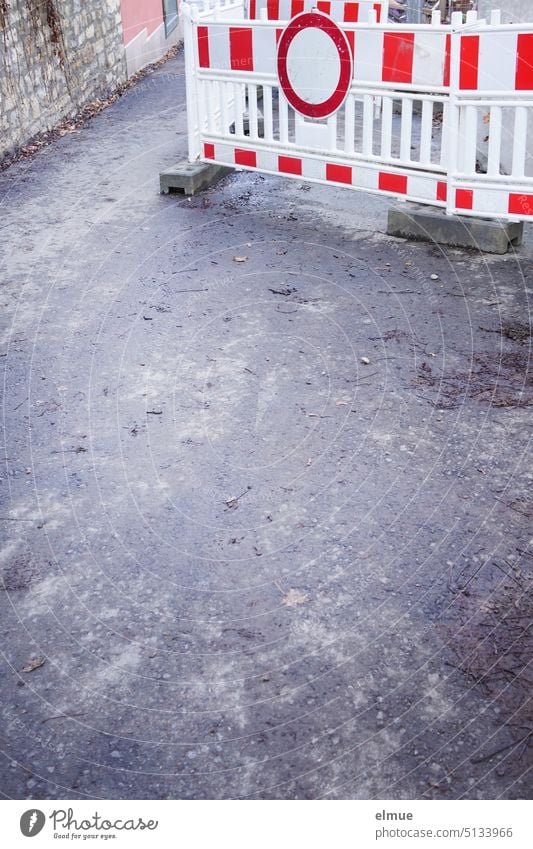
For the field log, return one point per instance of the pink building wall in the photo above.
(140, 14)
(145, 39)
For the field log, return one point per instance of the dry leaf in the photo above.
(341, 403)
(240, 258)
(365, 361)
(33, 664)
(294, 597)
(232, 503)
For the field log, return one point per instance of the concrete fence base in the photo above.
(191, 177)
(423, 223)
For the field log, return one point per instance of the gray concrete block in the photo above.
(424, 223)
(246, 125)
(191, 177)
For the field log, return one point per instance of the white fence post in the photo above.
(191, 82)
(454, 111)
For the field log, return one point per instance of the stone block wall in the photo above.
(55, 56)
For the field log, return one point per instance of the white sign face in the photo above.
(313, 65)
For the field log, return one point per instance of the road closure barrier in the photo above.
(432, 113)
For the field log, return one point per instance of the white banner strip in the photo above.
(268, 824)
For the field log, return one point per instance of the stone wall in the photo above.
(55, 56)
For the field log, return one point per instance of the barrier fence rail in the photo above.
(425, 112)
(351, 11)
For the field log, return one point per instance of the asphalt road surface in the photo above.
(262, 519)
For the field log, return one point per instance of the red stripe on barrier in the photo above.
(278, 34)
(464, 198)
(241, 49)
(245, 157)
(524, 62)
(351, 13)
(339, 173)
(447, 60)
(324, 7)
(273, 10)
(297, 6)
(469, 62)
(203, 47)
(392, 183)
(377, 7)
(398, 50)
(351, 41)
(520, 204)
(290, 165)
(209, 151)
(252, 10)
(442, 191)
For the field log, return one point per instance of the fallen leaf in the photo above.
(240, 258)
(365, 361)
(341, 403)
(294, 597)
(33, 664)
(233, 502)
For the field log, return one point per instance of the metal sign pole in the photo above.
(414, 11)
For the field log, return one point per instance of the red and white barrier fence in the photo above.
(349, 11)
(392, 109)
(419, 59)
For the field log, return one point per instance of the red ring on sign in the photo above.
(320, 21)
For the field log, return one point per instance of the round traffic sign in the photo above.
(315, 65)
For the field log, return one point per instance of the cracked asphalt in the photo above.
(239, 498)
